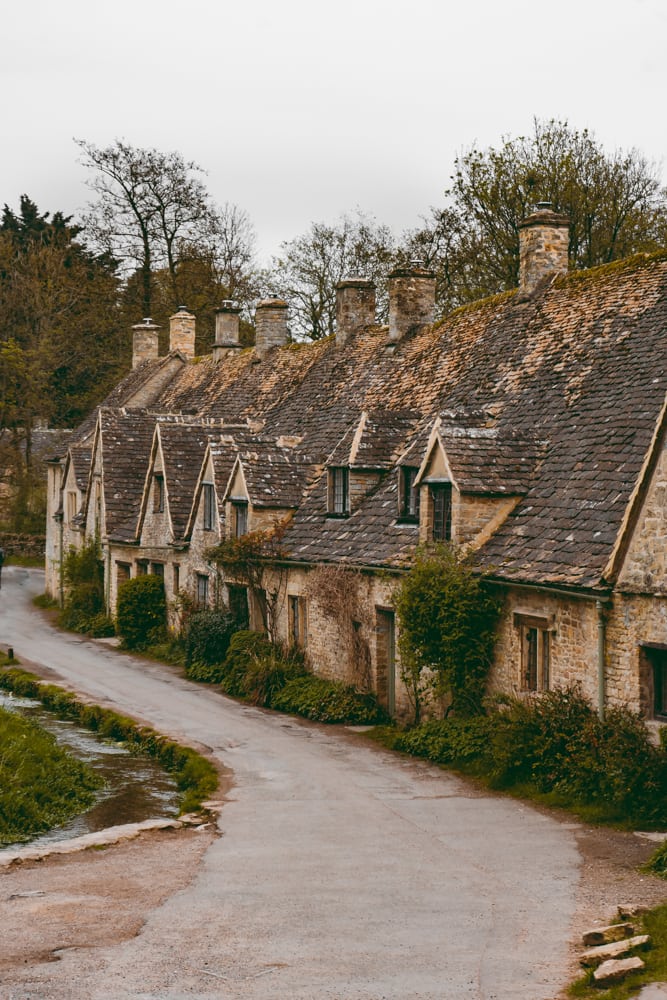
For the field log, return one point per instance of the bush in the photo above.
(206, 643)
(328, 701)
(448, 741)
(141, 611)
(84, 604)
(257, 669)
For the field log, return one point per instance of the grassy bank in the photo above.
(654, 958)
(41, 785)
(196, 777)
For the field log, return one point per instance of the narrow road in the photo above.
(341, 872)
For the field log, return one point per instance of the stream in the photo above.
(135, 787)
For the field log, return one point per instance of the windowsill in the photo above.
(407, 520)
(334, 516)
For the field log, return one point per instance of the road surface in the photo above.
(342, 871)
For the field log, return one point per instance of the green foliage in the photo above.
(328, 701)
(141, 611)
(206, 643)
(41, 785)
(447, 621)
(455, 740)
(195, 776)
(657, 863)
(257, 669)
(84, 609)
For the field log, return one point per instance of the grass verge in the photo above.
(195, 777)
(653, 923)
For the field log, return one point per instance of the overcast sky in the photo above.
(301, 110)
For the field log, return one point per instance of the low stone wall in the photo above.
(31, 546)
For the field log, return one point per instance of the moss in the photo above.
(590, 275)
(491, 301)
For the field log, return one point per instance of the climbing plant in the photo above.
(447, 617)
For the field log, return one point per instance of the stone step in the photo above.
(615, 970)
(605, 935)
(594, 956)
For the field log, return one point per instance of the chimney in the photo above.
(182, 332)
(543, 245)
(355, 307)
(226, 330)
(144, 342)
(411, 299)
(270, 325)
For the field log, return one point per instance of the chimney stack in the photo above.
(145, 342)
(355, 307)
(226, 330)
(411, 299)
(544, 240)
(270, 325)
(182, 332)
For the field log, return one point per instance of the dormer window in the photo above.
(440, 502)
(339, 491)
(158, 493)
(408, 494)
(208, 494)
(239, 518)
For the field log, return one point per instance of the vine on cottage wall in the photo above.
(337, 591)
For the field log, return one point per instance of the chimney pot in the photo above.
(270, 325)
(544, 238)
(411, 299)
(145, 342)
(355, 307)
(182, 332)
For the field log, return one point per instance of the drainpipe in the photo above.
(61, 568)
(601, 652)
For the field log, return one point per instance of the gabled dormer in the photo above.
(363, 457)
(154, 520)
(472, 477)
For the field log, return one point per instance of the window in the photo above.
(660, 686)
(409, 494)
(123, 573)
(240, 518)
(71, 506)
(339, 491)
(238, 605)
(202, 590)
(157, 569)
(209, 506)
(142, 567)
(297, 620)
(158, 494)
(535, 652)
(441, 511)
(176, 577)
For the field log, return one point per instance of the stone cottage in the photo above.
(529, 427)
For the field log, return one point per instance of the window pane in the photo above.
(441, 500)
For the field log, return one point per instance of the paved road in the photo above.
(342, 872)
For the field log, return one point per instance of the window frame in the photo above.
(208, 504)
(202, 582)
(535, 639)
(239, 518)
(441, 521)
(158, 493)
(338, 491)
(409, 494)
(297, 617)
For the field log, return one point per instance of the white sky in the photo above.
(300, 111)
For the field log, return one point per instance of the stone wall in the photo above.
(645, 566)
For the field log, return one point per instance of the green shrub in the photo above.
(657, 863)
(257, 669)
(206, 643)
(328, 701)
(448, 741)
(141, 611)
(84, 602)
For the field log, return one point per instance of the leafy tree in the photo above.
(141, 611)
(309, 268)
(154, 214)
(254, 560)
(615, 203)
(447, 625)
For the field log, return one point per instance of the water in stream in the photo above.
(135, 786)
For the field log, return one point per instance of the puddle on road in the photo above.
(135, 787)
